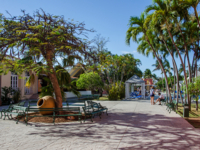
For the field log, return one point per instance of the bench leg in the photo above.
(1, 114)
(106, 112)
(100, 115)
(17, 119)
(26, 119)
(84, 118)
(4, 116)
(79, 118)
(91, 118)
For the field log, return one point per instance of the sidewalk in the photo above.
(130, 125)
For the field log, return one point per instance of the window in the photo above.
(14, 80)
(27, 90)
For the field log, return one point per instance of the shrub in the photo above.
(5, 95)
(16, 95)
(113, 93)
(116, 91)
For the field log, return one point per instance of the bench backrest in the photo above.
(21, 103)
(75, 101)
(15, 107)
(74, 109)
(32, 103)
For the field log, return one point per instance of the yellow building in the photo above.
(15, 81)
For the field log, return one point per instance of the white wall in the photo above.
(70, 94)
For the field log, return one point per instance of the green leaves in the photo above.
(91, 81)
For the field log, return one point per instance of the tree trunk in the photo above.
(196, 105)
(108, 77)
(193, 71)
(122, 73)
(53, 79)
(189, 70)
(160, 63)
(181, 97)
(197, 16)
(176, 70)
(181, 63)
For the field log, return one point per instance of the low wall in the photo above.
(70, 94)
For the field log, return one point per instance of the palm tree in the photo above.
(164, 13)
(193, 4)
(137, 27)
(147, 74)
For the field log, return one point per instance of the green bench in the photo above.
(76, 103)
(32, 103)
(89, 97)
(94, 109)
(10, 108)
(163, 101)
(55, 112)
(171, 106)
(15, 110)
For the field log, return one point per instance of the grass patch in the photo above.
(105, 98)
(194, 116)
(193, 113)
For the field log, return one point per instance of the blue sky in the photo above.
(108, 17)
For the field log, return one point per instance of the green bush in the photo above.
(113, 93)
(5, 95)
(122, 91)
(116, 92)
(16, 95)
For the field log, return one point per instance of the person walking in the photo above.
(152, 93)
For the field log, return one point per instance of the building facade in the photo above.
(18, 82)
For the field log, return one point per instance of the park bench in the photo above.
(89, 97)
(94, 109)
(76, 103)
(15, 110)
(163, 101)
(32, 103)
(171, 106)
(10, 108)
(55, 113)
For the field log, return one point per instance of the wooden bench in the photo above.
(15, 110)
(55, 112)
(94, 109)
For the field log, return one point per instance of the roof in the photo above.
(135, 79)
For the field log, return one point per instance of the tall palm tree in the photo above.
(137, 27)
(147, 74)
(164, 13)
(193, 4)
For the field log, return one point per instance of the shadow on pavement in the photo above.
(128, 131)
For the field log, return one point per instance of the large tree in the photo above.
(46, 37)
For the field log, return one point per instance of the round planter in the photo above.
(46, 102)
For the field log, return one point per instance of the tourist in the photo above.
(161, 97)
(152, 95)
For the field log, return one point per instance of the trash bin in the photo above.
(186, 110)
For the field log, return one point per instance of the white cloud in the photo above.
(126, 52)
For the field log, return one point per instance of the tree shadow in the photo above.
(127, 131)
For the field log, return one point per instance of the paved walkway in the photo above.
(130, 125)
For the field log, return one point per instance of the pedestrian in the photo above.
(152, 93)
(161, 97)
